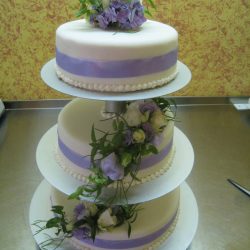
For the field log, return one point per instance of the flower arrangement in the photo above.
(88, 219)
(115, 155)
(118, 153)
(122, 14)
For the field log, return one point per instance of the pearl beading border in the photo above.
(107, 87)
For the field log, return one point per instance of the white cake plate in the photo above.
(49, 76)
(177, 173)
(180, 239)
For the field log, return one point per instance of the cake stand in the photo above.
(180, 239)
(182, 164)
(50, 78)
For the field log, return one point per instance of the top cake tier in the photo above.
(116, 61)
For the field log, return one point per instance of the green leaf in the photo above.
(121, 125)
(76, 194)
(152, 4)
(147, 12)
(126, 159)
(57, 209)
(114, 124)
(153, 149)
(79, 223)
(117, 139)
(53, 222)
(93, 137)
(129, 230)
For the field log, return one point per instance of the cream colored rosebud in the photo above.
(158, 121)
(139, 136)
(106, 221)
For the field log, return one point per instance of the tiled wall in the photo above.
(214, 42)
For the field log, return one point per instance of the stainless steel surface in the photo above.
(218, 132)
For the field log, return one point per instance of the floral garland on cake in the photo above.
(88, 220)
(118, 154)
(121, 14)
(114, 155)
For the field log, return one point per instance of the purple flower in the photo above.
(148, 106)
(127, 15)
(123, 14)
(158, 138)
(80, 211)
(149, 131)
(82, 233)
(102, 21)
(110, 14)
(112, 168)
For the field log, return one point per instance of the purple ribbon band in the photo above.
(125, 244)
(116, 69)
(84, 161)
(78, 159)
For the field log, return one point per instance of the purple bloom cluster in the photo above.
(80, 211)
(112, 168)
(124, 14)
(148, 106)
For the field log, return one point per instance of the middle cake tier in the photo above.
(143, 127)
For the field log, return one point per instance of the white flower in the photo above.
(105, 4)
(106, 220)
(158, 121)
(133, 116)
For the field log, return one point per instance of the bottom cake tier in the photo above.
(162, 223)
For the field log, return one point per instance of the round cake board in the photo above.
(49, 76)
(180, 239)
(181, 167)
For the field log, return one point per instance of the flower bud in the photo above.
(139, 136)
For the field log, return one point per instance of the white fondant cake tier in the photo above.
(116, 61)
(75, 123)
(155, 222)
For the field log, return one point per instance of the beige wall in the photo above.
(214, 42)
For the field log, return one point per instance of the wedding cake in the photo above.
(114, 49)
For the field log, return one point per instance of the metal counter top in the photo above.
(220, 136)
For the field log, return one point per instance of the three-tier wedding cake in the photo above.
(109, 156)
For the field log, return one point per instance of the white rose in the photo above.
(133, 116)
(105, 3)
(106, 220)
(158, 121)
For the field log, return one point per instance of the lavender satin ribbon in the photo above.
(78, 159)
(84, 161)
(125, 244)
(116, 69)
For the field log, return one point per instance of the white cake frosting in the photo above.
(75, 122)
(155, 222)
(116, 61)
